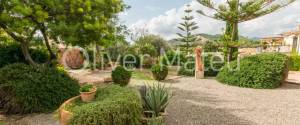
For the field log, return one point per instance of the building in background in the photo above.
(286, 42)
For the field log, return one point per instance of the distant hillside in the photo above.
(217, 37)
(209, 37)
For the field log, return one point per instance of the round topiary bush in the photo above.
(29, 89)
(12, 53)
(260, 71)
(159, 72)
(113, 105)
(121, 76)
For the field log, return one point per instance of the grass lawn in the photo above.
(2, 123)
(144, 74)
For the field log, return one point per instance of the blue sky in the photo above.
(161, 17)
(147, 9)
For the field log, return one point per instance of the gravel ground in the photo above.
(208, 102)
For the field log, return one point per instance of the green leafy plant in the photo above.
(157, 98)
(121, 76)
(159, 72)
(173, 58)
(188, 68)
(262, 71)
(114, 105)
(12, 53)
(29, 89)
(86, 88)
(156, 121)
(294, 64)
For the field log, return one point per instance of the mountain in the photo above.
(218, 36)
(210, 37)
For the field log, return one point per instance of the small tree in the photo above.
(234, 12)
(76, 22)
(187, 26)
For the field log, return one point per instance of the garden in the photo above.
(47, 46)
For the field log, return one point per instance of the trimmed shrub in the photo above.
(114, 105)
(294, 62)
(28, 89)
(12, 53)
(261, 71)
(172, 58)
(121, 76)
(159, 72)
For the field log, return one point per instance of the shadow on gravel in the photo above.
(195, 108)
(290, 85)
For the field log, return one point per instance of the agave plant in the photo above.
(156, 121)
(157, 98)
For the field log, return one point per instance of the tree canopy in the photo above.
(76, 22)
(234, 12)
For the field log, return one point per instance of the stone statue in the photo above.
(199, 67)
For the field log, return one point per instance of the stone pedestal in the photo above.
(199, 74)
(199, 66)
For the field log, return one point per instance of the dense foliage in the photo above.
(188, 69)
(156, 41)
(121, 76)
(28, 89)
(130, 60)
(173, 58)
(12, 53)
(212, 66)
(266, 70)
(159, 72)
(294, 62)
(113, 105)
(75, 22)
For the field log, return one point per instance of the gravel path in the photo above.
(208, 102)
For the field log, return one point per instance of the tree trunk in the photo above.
(52, 55)
(26, 54)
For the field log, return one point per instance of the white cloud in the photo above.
(166, 25)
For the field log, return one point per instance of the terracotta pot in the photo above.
(88, 96)
(66, 116)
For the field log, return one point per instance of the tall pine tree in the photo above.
(187, 37)
(233, 12)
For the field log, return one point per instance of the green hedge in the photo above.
(114, 105)
(12, 53)
(294, 62)
(28, 89)
(174, 59)
(266, 70)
